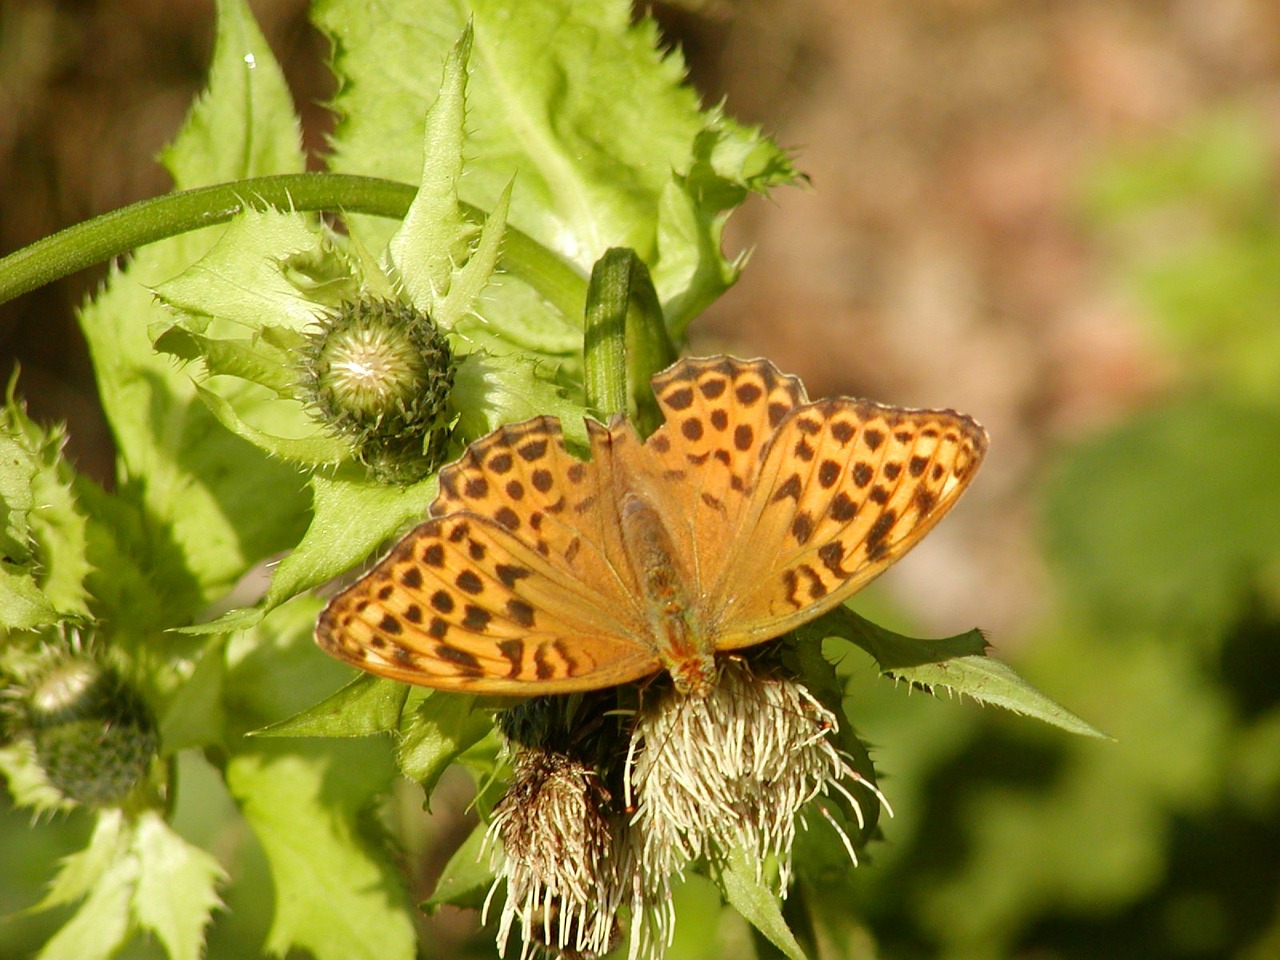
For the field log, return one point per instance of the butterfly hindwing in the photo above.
(846, 487)
(523, 477)
(704, 460)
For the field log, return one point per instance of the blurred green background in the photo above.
(1061, 217)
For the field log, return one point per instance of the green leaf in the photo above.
(59, 527)
(441, 727)
(309, 801)
(237, 358)
(319, 449)
(17, 467)
(728, 162)
(199, 489)
(430, 241)
(25, 780)
(101, 925)
(474, 276)
(243, 125)
(338, 895)
(991, 681)
(353, 516)
(957, 663)
(515, 318)
(175, 894)
(84, 870)
(366, 706)
(135, 873)
(892, 651)
(1182, 517)
(594, 142)
(43, 535)
(246, 276)
(22, 604)
(467, 877)
(248, 284)
(197, 714)
(752, 897)
(126, 554)
(275, 670)
(489, 391)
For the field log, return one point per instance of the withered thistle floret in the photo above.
(563, 857)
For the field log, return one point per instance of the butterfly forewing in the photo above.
(846, 487)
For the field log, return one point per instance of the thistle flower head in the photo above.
(566, 868)
(735, 769)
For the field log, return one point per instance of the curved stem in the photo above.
(116, 233)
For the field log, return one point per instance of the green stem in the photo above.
(625, 340)
(116, 233)
(604, 335)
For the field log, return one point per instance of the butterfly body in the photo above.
(674, 634)
(749, 512)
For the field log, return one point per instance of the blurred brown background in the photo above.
(937, 259)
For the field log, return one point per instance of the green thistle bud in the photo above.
(94, 736)
(380, 372)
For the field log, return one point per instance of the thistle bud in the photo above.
(94, 736)
(380, 372)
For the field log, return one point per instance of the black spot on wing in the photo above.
(466, 663)
(789, 489)
(475, 618)
(748, 393)
(513, 652)
(679, 399)
(520, 612)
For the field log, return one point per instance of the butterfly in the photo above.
(749, 512)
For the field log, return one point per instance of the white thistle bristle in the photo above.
(734, 770)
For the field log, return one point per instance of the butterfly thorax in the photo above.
(680, 642)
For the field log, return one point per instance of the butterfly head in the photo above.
(694, 675)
